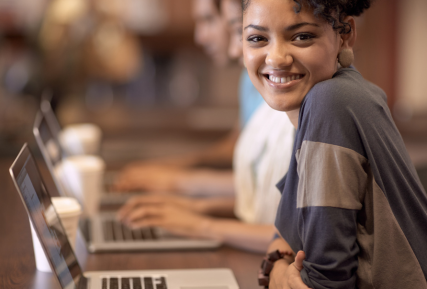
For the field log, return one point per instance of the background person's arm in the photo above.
(184, 174)
(190, 182)
(217, 155)
(218, 207)
(251, 237)
(177, 217)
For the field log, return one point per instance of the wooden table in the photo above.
(17, 266)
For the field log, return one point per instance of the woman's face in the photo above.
(211, 31)
(232, 12)
(287, 53)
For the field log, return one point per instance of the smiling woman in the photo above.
(351, 199)
(287, 56)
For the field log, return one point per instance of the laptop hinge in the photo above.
(85, 229)
(82, 283)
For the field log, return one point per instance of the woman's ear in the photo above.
(348, 39)
(346, 55)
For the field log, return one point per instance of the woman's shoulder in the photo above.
(346, 90)
(337, 109)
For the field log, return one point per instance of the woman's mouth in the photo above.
(283, 79)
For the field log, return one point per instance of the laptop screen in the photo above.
(50, 144)
(50, 116)
(50, 149)
(45, 220)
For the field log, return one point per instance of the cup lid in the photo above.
(86, 163)
(83, 131)
(66, 205)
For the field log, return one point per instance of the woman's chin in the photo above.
(279, 105)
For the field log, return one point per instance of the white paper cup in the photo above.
(69, 211)
(78, 139)
(41, 261)
(82, 177)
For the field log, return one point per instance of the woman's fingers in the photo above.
(298, 260)
(148, 200)
(146, 222)
(130, 205)
(144, 213)
(295, 279)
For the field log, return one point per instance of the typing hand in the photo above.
(284, 276)
(156, 200)
(172, 216)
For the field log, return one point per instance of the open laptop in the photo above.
(46, 135)
(63, 261)
(48, 121)
(102, 231)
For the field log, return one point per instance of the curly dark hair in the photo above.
(326, 8)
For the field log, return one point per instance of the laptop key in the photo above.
(114, 283)
(137, 234)
(147, 233)
(127, 233)
(162, 284)
(137, 283)
(148, 283)
(118, 233)
(108, 230)
(153, 233)
(104, 283)
(125, 283)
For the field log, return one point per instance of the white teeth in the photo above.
(283, 79)
(274, 79)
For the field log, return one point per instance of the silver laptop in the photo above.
(54, 150)
(63, 261)
(102, 231)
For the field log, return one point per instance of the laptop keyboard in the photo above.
(117, 231)
(134, 283)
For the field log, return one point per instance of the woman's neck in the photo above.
(293, 117)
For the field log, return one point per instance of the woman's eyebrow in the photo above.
(257, 27)
(289, 28)
(299, 25)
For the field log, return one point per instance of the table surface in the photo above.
(17, 266)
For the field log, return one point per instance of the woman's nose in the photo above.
(200, 34)
(235, 50)
(278, 56)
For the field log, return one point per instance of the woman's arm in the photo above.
(218, 207)
(186, 218)
(286, 272)
(251, 237)
(184, 181)
(179, 173)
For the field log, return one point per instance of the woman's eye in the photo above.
(304, 37)
(255, 39)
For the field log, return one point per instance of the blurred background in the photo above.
(131, 66)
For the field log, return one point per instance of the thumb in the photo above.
(298, 260)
